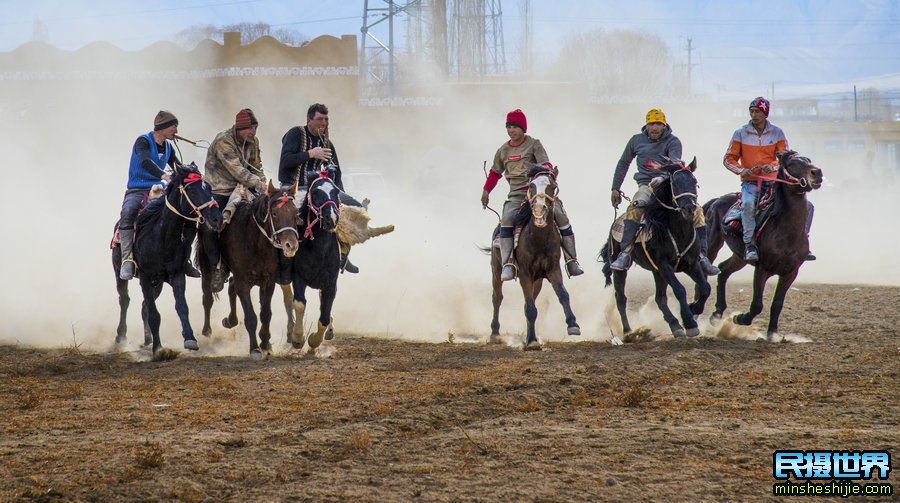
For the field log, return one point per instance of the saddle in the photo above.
(732, 223)
(618, 228)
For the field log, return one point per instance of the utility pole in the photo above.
(690, 64)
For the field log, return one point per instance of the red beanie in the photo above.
(517, 118)
(244, 119)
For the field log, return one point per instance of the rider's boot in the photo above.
(751, 253)
(623, 260)
(573, 268)
(509, 270)
(810, 210)
(346, 265)
(219, 276)
(126, 242)
(705, 265)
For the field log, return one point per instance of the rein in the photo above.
(274, 235)
(192, 178)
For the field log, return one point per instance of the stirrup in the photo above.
(573, 268)
(622, 262)
(514, 269)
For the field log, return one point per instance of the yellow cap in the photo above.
(656, 115)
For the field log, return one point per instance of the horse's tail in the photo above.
(709, 204)
(604, 256)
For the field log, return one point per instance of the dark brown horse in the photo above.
(673, 247)
(782, 241)
(251, 242)
(536, 254)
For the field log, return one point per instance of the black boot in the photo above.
(573, 268)
(623, 261)
(189, 269)
(705, 265)
(348, 266)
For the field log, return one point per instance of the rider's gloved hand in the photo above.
(484, 198)
(656, 181)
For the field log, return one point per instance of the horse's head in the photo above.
(282, 217)
(799, 172)
(191, 197)
(322, 203)
(541, 195)
(679, 191)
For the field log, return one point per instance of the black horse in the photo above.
(537, 256)
(672, 247)
(159, 250)
(258, 232)
(317, 261)
(782, 240)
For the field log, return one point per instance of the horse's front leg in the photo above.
(662, 302)
(124, 301)
(556, 281)
(619, 278)
(496, 298)
(702, 290)
(153, 318)
(181, 307)
(242, 289)
(207, 303)
(326, 300)
(297, 335)
(734, 264)
(231, 320)
(531, 340)
(287, 297)
(687, 316)
(265, 316)
(781, 290)
(760, 276)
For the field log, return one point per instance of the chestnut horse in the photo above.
(781, 239)
(537, 255)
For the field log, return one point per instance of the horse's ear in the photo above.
(271, 188)
(693, 164)
(293, 189)
(555, 172)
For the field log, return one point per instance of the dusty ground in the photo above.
(380, 420)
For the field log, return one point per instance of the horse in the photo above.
(316, 263)
(251, 242)
(781, 239)
(159, 251)
(672, 247)
(537, 255)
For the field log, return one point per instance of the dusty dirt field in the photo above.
(381, 420)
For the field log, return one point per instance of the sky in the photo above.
(737, 46)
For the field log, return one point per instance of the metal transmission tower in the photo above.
(462, 38)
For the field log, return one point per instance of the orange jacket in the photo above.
(748, 148)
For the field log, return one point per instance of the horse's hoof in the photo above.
(678, 332)
(574, 330)
(615, 341)
(191, 344)
(495, 339)
(206, 332)
(533, 346)
(741, 319)
(329, 334)
(120, 340)
(255, 354)
(147, 341)
(229, 323)
(315, 340)
(715, 319)
(693, 332)
(266, 346)
(297, 342)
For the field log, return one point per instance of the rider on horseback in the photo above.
(150, 155)
(752, 155)
(232, 160)
(651, 146)
(306, 150)
(514, 159)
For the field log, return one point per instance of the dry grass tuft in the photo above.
(361, 441)
(641, 334)
(236, 442)
(635, 396)
(29, 401)
(151, 455)
(165, 355)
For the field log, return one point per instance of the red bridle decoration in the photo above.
(313, 209)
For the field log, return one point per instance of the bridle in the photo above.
(676, 197)
(312, 209)
(551, 199)
(195, 209)
(273, 235)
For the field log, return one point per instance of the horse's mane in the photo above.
(154, 209)
(777, 205)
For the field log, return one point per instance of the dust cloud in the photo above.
(67, 161)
